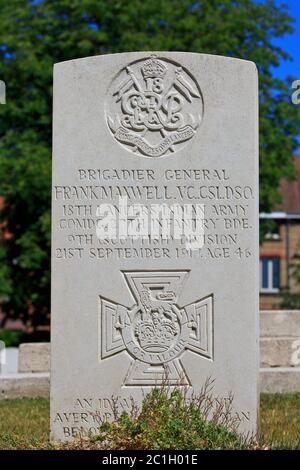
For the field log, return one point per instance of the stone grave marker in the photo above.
(154, 233)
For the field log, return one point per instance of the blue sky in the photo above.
(290, 43)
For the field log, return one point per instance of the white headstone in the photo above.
(155, 232)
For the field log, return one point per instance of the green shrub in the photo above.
(11, 337)
(168, 420)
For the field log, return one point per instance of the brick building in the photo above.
(280, 245)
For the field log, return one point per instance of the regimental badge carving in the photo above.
(156, 332)
(155, 106)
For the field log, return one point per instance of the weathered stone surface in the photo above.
(280, 380)
(34, 357)
(279, 352)
(155, 232)
(280, 323)
(25, 385)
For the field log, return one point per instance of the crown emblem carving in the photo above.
(156, 335)
(153, 68)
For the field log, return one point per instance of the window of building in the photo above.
(269, 273)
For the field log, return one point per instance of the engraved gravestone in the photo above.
(155, 233)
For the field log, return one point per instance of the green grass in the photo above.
(280, 420)
(24, 424)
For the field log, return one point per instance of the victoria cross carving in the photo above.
(154, 107)
(155, 331)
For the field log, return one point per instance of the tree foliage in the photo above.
(35, 34)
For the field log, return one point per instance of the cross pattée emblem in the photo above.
(155, 332)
